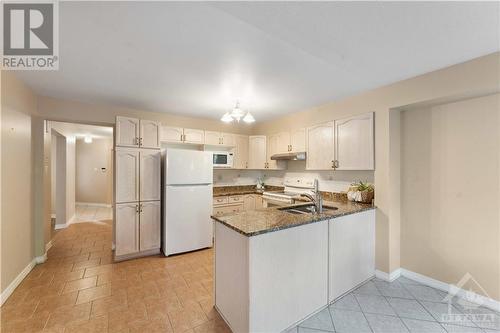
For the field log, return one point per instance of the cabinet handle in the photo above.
(222, 140)
(333, 164)
(336, 164)
(136, 141)
(246, 165)
(140, 208)
(137, 208)
(140, 141)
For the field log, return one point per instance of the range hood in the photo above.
(300, 156)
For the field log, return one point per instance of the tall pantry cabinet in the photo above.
(137, 208)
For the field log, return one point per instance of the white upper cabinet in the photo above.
(194, 136)
(257, 157)
(283, 142)
(219, 138)
(227, 139)
(213, 138)
(240, 152)
(274, 144)
(150, 134)
(320, 155)
(127, 132)
(150, 175)
(133, 132)
(354, 143)
(171, 134)
(149, 230)
(298, 140)
(127, 175)
(127, 229)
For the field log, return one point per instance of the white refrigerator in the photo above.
(188, 177)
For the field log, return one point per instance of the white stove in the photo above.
(294, 187)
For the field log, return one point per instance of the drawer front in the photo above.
(220, 201)
(227, 209)
(236, 199)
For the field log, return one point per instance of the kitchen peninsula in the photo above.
(275, 267)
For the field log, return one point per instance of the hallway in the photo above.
(79, 289)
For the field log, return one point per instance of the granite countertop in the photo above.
(261, 221)
(220, 191)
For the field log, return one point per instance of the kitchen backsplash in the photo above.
(329, 181)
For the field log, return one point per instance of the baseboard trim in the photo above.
(48, 246)
(60, 226)
(451, 289)
(388, 277)
(96, 204)
(41, 259)
(15, 283)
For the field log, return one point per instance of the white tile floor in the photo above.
(92, 213)
(400, 306)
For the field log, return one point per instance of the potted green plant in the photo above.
(361, 192)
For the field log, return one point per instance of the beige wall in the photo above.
(450, 174)
(92, 184)
(473, 78)
(17, 234)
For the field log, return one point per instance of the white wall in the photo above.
(93, 185)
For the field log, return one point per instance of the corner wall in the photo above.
(19, 104)
(450, 223)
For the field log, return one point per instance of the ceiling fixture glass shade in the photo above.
(87, 139)
(248, 118)
(237, 114)
(226, 118)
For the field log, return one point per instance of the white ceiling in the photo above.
(275, 58)
(80, 131)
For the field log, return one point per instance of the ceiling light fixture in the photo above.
(87, 139)
(237, 114)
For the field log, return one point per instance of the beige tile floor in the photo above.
(89, 212)
(80, 289)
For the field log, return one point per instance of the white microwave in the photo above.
(222, 159)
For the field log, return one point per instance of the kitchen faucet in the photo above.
(317, 200)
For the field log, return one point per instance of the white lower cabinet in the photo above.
(149, 225)
(126, 228)
(351, 252)
(137, 229)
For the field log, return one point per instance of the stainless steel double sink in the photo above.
(305, 209)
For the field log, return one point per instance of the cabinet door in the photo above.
(259, 202)
(194, 136)
(249, 202)
(272, 148)
(298, 140)
(320, 147)
(240, 152)
(283, 143)
(126, 175)
(127, 132)
(150, 134)
(354, 143)
(352, 251)
(126, 228)
(213, 138)
(227, 139)
(257, 152)
(149, 225)
(171, 134)
(150, 171)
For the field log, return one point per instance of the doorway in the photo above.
(81, 186)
